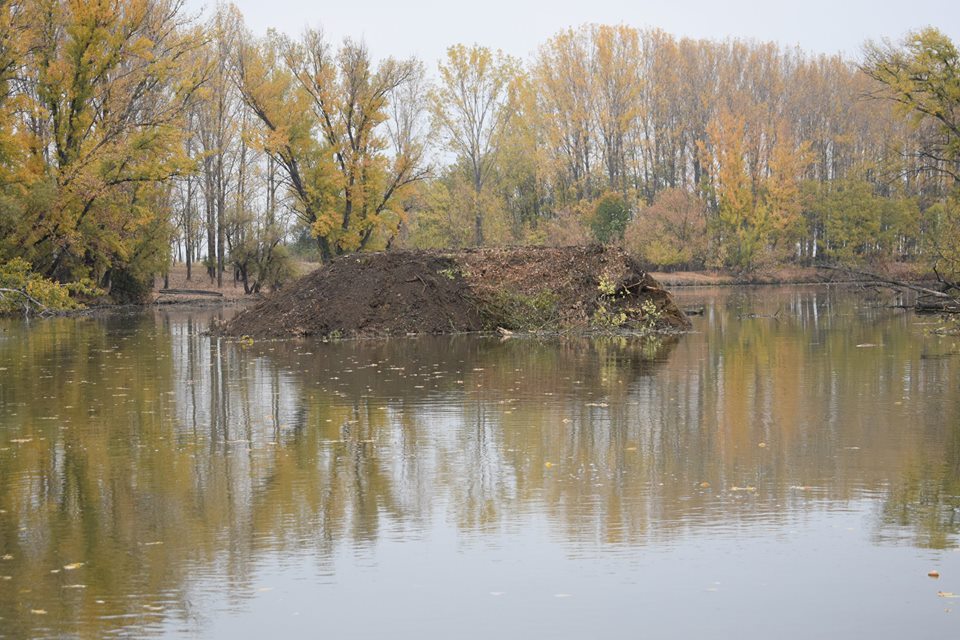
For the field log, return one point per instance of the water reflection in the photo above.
(143, 464)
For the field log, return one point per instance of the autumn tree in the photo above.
(740, 225)
(12, 31)
(618, 84)
(590, 83)
(859, 226)
(16, 190)
(922, 77)
(671, 232)
(216, 129)
(324, 114)
(780, 191)
(942, 235)
(185, 197)
(126, 128)
(288, 133)
(472, 107)
(101, 94)
(755, 177)
(563, 76)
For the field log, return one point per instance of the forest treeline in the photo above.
(133, 134)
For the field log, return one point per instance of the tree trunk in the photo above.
(326, 255)
(477, 211)
(209, 201)
(188, 229)
(221, 203)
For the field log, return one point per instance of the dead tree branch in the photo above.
(25, 300)
(873, 277)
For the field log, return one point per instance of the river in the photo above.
(789, 469)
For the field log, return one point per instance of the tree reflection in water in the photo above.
(163, 459)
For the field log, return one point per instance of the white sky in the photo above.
(425, 28)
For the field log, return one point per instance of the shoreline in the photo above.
(784, 276)
(233, 295)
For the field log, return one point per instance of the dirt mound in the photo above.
(523, 289)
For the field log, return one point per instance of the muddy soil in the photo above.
(516, 289)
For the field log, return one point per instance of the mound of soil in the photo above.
(521, 289)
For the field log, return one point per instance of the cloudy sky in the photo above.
(425, 28)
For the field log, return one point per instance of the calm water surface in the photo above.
(793, 476)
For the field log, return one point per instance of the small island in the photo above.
(533, 289)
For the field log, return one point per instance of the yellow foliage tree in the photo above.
(755, 181)
(100, 98)
(325, 117)
(472, 108)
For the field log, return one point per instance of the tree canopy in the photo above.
(133, 135)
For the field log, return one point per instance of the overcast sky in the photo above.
(425, 28)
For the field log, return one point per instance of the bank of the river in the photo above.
(201, 291)
(786, 275)
(176, 288)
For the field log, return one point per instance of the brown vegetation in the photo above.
(406, 292)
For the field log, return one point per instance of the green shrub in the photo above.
(615, 311)
(610, 218)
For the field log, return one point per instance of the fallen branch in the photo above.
(190, 292)
(946, 283)
(26, 301)
(896, 283)
(938, 305)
